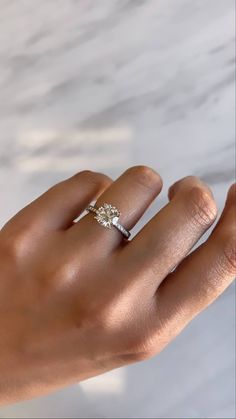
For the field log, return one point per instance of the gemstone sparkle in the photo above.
(107, 215)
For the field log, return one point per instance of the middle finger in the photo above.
(171, 234)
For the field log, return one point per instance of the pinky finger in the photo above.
(202, 276)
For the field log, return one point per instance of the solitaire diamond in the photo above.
(107, 215)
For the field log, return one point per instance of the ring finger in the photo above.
(131, 194)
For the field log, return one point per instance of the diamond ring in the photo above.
(108, 217)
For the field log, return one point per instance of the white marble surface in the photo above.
(104, 85)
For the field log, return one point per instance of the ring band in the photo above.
(108, 216)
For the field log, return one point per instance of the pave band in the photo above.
(108, 216)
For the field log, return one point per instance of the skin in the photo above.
(77, 300)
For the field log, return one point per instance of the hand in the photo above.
(77, 300)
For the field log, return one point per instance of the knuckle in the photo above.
(201, 206)
(224, 269)
(141, 345)
(97, 179)
(228, 252)
(143, 349)
(15, 236)
(85, 172)
(91, 312)
(103, 180)
(58, 273)
(13, 246)
(88, 316)
(145, 176)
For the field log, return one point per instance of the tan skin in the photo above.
(77, 300)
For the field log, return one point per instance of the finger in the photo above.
(171, 234)
(188, 181)
(61, 204)
(202, 276)
(131, 193)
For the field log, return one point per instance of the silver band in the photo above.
(108, 216)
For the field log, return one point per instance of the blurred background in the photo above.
(106, 84)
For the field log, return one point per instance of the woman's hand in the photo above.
(77, 300)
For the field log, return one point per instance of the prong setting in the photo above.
(107, 215)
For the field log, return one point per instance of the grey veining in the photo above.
(105, 85)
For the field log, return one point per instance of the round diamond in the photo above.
(107, 215)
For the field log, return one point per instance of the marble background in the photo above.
(105, 84)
